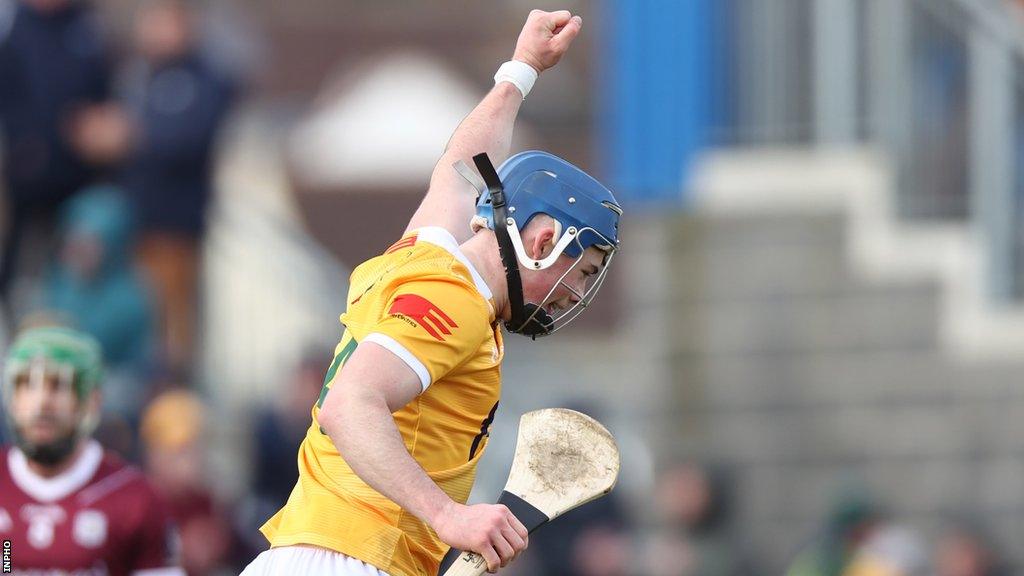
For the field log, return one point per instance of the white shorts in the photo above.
(308, 560)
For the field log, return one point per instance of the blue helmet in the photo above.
(587, 215)
(540, 183)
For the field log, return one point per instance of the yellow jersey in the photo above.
(423, 301)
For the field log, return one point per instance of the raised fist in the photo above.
(546, 36)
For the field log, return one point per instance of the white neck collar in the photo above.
(443, 238)
(60, 486)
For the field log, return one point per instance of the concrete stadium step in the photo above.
(756, 229)
(947, 427)
(902, 317)
(769, 381)
(725, 258)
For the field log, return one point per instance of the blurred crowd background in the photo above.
(810, 352)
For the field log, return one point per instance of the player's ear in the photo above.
(543, 242)
(94, 402)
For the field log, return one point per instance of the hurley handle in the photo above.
(459, 563)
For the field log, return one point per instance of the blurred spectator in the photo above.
(694, 536)
(178, 102)
(173, 434)
(851, 522)
(94, 285)
(890, 551)
(280, 429)
(589, 541)
(55, 72)
(963, 550)
(278, 432)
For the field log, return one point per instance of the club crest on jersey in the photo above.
(42, 520)
(424, 313)
(90, 529)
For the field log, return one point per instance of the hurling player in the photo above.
(390, 457)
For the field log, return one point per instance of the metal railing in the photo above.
(937, 84)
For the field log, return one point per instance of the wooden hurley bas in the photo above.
(563, 460)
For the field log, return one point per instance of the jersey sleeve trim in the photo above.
(403, 353)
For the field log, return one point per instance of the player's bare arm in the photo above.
(357, 417)
(450, 200)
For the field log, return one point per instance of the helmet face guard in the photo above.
(42, 360)
(39, 373)
(545, 184)
(539, 313)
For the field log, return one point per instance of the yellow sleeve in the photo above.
(433, 326)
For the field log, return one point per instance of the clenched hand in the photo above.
(546, 36)
(490, 530)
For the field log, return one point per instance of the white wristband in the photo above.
(519, 74)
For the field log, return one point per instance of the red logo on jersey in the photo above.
(423, 311)
(406, 242)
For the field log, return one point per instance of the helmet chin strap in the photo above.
(528, 319)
